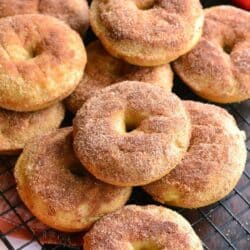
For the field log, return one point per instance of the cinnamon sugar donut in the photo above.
(218, 68)
(142, 227)
(147, 32)
(73, 12)
(56, 188)
(17, 128)
(213, 164)
(103, 70)
(131, 133)
(41, 61)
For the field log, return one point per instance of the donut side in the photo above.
(18, 128)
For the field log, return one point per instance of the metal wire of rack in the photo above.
(223, 225)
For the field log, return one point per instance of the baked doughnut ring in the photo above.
(56, 188)
(147, 32)
(142, 227)
(41, 61)
(131, 133)
(103, 70)
(218, 68)
(17, 128)
(73, 12)
(213, 164)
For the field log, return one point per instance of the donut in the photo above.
(41, 61)
(213, 164)
(218, 68)
(17, 128)
(103, 70)
(58, 190)
(142, 227)
(147, 32)
(73, 12)
(131, 133)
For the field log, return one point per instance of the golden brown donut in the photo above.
(17, 128)
(218, 68)
(147, 32)
(213, 164)
(58, 191)
(103, 70)
(131, 133)
(41, 61)
(142, 227)
(73, 12)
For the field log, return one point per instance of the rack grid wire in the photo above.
(223, 225)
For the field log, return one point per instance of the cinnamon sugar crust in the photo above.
(213, 164)
(17, 128)
(42, 61)
(218, 68)
(147, 33)
(142, 227)
(58, 190)
(103, 70)
(73, 12)
(131, 133)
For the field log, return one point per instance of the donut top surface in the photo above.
(131, 133)
(73, 12)
(58, 177)
(213, 163)
(218, 68)
(148, 227)
(134, 19)
(42, 60)
(102, 70)
(147, 32)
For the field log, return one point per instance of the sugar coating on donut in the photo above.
(17, 128)
(149, 32)
(73, 12)
(41, 61)
(142, 227)
(218, 68)
(131, 133)
(103, 70)
(58, 190)
(213, 164)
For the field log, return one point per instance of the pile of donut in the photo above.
(129, 129)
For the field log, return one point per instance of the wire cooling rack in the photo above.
(223, 225)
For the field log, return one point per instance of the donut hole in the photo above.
(20, 53)
(145, 245)
(130, 125)
(227, 48)
(33, 52)
(77, 169)
(145, 5)
(127, 122)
